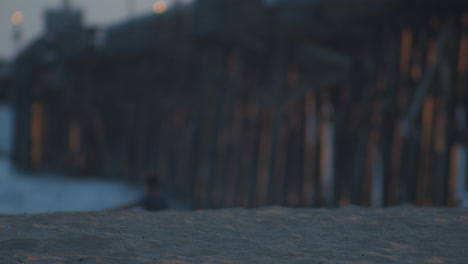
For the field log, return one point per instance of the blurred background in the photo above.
(235, 103)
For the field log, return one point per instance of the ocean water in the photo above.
(23, 192)
(44, 193)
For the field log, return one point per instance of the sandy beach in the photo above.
(268, 235)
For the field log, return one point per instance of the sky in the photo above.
(96, 12)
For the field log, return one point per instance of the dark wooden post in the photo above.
(195, 146)
(448, 80)
(342, 102)
(253, 171)
(457, 182)
(220, 85)
(262, 177)
(229, 166)
(277, 89)
(206, 138)
(371, 64)
(300, 148)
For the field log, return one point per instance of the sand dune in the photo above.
(267, 235)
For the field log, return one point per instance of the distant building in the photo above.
(40, 89)
(5, 80)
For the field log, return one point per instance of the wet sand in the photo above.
(268, 235)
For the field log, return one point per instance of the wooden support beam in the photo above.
(415, 107)
(407, 179)
(300, 148)
(274, 149)
(311, 140)
(257, 112)
(247, 150)
(277, 89)
(234, 158)
(219, 84)
(254, 169)
(262, 178)
(196, 138)
(327, 151)
(141, 136)
(234, 72)
(165, 142)
(174, 146)
(182, 151)
(317, 199)
(423, 191)
(294, 138)
(342, 102)
(364, 126)
(207, 129)
(101, 139)
(448, 75)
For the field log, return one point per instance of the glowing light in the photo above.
(17, 18)
(159, 7)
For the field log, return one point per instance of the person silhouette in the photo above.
(152, 200)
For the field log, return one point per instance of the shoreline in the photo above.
(352, 234)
